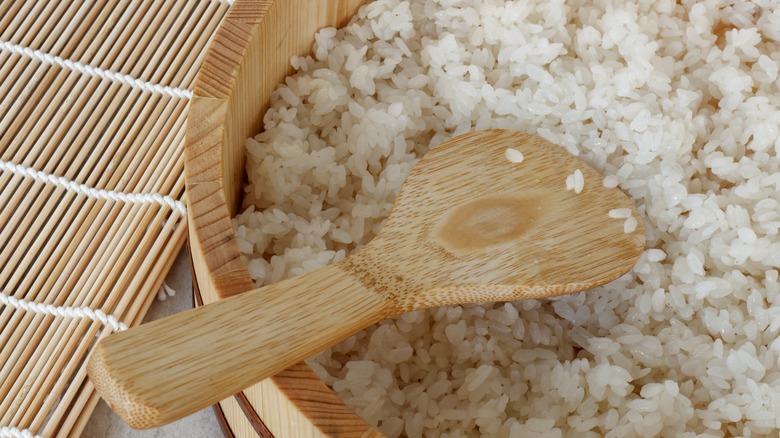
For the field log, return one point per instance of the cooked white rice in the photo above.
(514, 155)
(677, 104)
(575, 181)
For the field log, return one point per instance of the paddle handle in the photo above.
(159, 372)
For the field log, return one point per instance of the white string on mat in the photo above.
(12, 432)
(63, 311)
(135, 198)
(95, 71)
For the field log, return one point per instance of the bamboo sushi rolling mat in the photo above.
(93, 104)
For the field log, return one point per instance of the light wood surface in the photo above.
(467, 226)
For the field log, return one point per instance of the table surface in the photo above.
(105, 424)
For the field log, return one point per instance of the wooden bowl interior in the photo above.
(249, 56)
(280, 30)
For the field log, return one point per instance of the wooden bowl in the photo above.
(249, 56)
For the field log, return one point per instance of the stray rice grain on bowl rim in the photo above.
(675, 103)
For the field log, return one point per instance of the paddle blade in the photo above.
(473, 215)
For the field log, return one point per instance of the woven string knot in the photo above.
(27, 172)
(87, 69)
(63, 311)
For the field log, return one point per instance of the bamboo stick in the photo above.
(116, 272)
(31, 11)
(42, 30)
(70, 24)
(35, 370)
(52, 294)
(8, 13)
(95, 107)
(37, 149)
(56, 383)
(158, 61)
(20, 373)
(171, 181)
(76, 425)
(115, 23)
(71, 299)
(74, 399)
(181, 49)
(18, 222)
(12, 351)
(77, 91)
(13, 381)
(135, 309)
(162, 127)
(104, 145)
(10, 88)
(23, 83)
(44, 223)
(44, 282)
(147, 278)
(136, 60)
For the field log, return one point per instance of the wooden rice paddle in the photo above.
(468, 226)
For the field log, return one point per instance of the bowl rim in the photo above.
(219, 269)
(209, 224)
